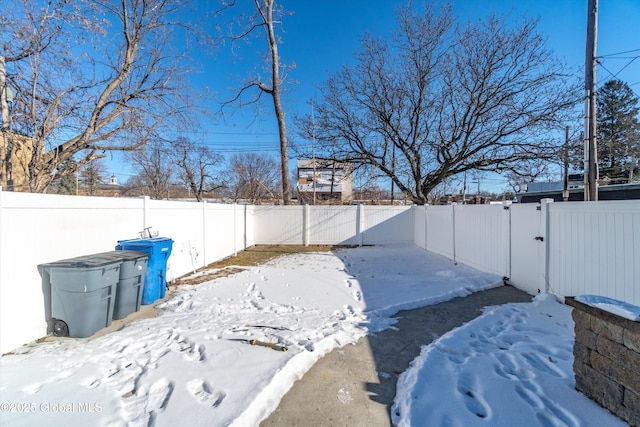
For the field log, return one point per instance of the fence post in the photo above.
(359, 223)
(204, 233)
(543, 248)
(506, 205)
(426, 225)
(245, 225)
(453, 228)
(145, 212)
(305, 225)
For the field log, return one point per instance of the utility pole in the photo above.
(591, 150)
(393, 170)
(565, 188)
(464, 187)
(313, 152)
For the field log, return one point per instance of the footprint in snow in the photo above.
(35, 387)
(195, 354)
(357, 296)
(141, 408)
(203, 392)
(471, 394)
(540, 363)
(159, 394)
(547, 411)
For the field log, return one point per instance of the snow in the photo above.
(185, 367)
(620, 308)
(516, 356)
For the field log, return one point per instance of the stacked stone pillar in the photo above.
(607, 360)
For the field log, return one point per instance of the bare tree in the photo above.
(267, 14)
(89, 77)
(438, 100)
(92, 175)
(253, 178)
(196, 166)
(155, 169)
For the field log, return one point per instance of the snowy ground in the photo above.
(186, 366)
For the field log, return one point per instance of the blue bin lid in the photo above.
(154, 241)
(163, 244)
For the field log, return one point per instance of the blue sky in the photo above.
(321, 36)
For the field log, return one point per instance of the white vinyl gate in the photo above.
(527, 248)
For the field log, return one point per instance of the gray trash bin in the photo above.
(130, 283)
(79, 294)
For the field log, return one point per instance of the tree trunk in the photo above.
(277, 105)
(5, 148)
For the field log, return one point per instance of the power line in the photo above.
(622, 69)
(206, 132)
(615, 76)
(619, 53)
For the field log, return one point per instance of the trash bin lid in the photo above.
(85, 261)
(118, 256)
(127, 255)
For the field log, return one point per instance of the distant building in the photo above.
(112, 189)
(329, 180)
(576, 181)
(14, 166)
(553, 190)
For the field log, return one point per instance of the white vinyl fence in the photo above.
(332, 225)
(569, 249)
(594, 248)
(566, 248)
(42, 228)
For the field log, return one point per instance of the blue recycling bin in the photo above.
(155, 279)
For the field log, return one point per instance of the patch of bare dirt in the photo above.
(255, 255)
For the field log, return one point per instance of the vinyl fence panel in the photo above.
(278, 225)
(482, 237)
(183, 222)
(387, 225)
(594, 248)
(332, 225)
(420, 226)
(440, 230)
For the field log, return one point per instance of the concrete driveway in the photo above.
(355, 385)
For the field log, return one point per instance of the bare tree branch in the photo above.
(439, 100)
(264, 18)
(76, 99)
